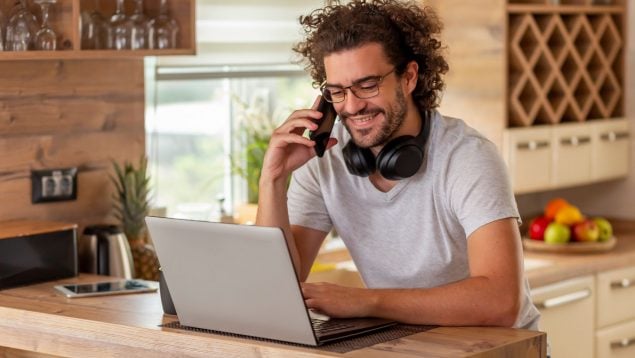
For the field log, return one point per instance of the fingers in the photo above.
(300, 120)
(283, 139)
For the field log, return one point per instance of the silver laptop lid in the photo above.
(232, 278)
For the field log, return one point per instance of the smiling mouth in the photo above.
(361, 120)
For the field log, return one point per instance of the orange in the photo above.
(569, 215)
(553, 206)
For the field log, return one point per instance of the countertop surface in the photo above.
(540, 268)
(558, 267)
(36, 318)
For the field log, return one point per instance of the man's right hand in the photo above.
(288, 149)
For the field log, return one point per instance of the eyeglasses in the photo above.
(365, 88)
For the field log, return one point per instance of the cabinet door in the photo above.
(616, 296)
(528, 157)
(612, 148)
(617, 341)
(568, 316)
(572, 149)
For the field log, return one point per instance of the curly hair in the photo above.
(406, 31)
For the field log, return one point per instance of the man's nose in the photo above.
(351, 104)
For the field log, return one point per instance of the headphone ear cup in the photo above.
(401, 158)
(359, 161)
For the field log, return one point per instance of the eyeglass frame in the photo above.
(379, 80)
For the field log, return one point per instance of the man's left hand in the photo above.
(338, 301)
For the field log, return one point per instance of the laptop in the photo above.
(240, 279)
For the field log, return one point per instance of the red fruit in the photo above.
(586, 230)
(537, 227)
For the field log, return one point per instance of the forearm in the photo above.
(474, 301)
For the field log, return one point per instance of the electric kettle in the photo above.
(104, 250)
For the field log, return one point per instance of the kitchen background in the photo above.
(185, 111)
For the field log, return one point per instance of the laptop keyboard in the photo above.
(322, 327)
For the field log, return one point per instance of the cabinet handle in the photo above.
(575, 141)
(623, 283)
(613, 136)
(564, 299)
(532, 145)
(622, 343)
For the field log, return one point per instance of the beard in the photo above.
(394, 116)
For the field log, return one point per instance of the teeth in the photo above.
(363, 119)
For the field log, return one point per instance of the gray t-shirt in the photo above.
(415, 235)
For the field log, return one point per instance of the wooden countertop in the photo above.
(19, 228)
(36, 318)
(565, 266)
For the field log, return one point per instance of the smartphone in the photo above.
(323, 132)
(106, 288)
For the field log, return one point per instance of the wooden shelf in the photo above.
(565, 63)
(65, 20)
(565, 9)
(90, 54)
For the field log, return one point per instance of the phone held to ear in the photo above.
(323, 132)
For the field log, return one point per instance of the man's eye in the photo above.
(336, 92)
(367, 86)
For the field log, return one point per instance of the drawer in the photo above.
(528, 157)
(616, 341)
(568, 316)
(573, 147)
(616, 296)
(612, 147)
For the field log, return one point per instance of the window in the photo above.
(243, 55)
(193, 134)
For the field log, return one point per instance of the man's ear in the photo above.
(411, 75)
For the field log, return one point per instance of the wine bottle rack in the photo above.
(566, 61)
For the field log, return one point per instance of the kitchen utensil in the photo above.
(104, 250)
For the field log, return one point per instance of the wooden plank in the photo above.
(59, 114)
(36, 318)
(474, 34)
(79, 114)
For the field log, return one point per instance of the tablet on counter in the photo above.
(107, 288)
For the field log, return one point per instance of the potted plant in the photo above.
(131, 206)
(254, 128)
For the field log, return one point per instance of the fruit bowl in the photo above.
(570, 247)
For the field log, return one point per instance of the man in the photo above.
(439, 245)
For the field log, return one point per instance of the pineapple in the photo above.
(131, 205)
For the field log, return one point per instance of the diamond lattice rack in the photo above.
(566, 61)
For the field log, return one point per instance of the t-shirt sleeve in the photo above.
(305, 201)
(478, 186)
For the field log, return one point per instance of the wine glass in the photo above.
(163, 29)
(138, 28)
(95, 29)
(119, 34)
(45, 38)
(21, 28)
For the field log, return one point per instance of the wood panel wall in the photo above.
(474, 36)
(59, 114)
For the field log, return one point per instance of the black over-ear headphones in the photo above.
(400, 158)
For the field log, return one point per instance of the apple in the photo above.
(586, 231)
(605, 227)
(557, 233)
(537, 227)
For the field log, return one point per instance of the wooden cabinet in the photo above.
(549, 157)
(612, 152)
(540, 78)
(591, 316)
(568, 316)
(65, 18)
(615, 336)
